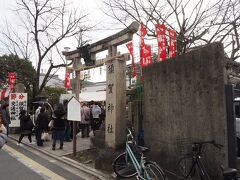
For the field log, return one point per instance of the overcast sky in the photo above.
(95, 15)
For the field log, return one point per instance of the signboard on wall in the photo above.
(17, 102)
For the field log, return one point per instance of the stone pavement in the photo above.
(81, 145)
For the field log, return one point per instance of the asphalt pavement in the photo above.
(81, 145)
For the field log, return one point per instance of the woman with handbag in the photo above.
(41, 126)
(26, 126)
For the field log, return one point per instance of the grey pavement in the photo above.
(81, 145)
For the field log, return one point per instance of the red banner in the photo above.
(67, 80)
(11, 80)
(172, 43)
(146, 55)
(161, 38)
(130, 49)
(143, 32)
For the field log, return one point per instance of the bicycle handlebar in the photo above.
(219, 146)
(209, 142)
(129, 134)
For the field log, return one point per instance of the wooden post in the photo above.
(76, 63)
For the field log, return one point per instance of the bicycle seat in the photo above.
(143, 149)
(229, 172)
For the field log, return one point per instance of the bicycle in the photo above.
(132, 162)
(188, 165)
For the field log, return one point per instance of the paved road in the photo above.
(12, 169)
(22, 163)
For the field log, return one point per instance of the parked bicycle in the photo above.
(189, 164)
(132, 162)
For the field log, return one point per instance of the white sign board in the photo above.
(74, 110)
(17, 102)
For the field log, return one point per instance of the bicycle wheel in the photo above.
(123, 166)
(153, 172)
(185, 166)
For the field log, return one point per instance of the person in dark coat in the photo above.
(41, 125)
(5, 116)
(67, 132)
(26, 126)
(58, 125)
(3, 133)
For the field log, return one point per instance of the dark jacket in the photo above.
(58, 118)
(5, 116)
(42, 121)
(26, 124)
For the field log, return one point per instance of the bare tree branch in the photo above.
(47, 23)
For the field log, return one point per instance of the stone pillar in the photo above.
(115, 125)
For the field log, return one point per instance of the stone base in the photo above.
(98, 140)
(105, 159)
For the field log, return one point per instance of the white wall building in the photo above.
(53, 81)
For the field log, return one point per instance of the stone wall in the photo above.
(184, 100)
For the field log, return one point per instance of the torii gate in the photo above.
(115, 82)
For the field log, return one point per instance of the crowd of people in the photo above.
(92, 116)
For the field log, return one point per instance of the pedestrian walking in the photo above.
(58, 126)
(26, 126)
(41, 126)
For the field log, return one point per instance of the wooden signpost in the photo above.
(74, 114)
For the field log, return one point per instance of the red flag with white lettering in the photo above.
(161, 38)
(130, 49)
(143, 32)
(172, 43)
(148, 54)
(67, 80)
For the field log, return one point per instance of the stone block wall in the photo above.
(184, 101)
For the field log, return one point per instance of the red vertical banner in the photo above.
(67, 80)
(143, 32)
(130, 49)
(148, 54)
(161, 39)
(172, 43)
(11, 80)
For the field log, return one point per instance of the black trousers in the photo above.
(22, 135)
(38, 137)
(85, 130)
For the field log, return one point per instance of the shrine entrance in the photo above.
(115, 63)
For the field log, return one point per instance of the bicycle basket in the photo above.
(184, 146)
(187, 148)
